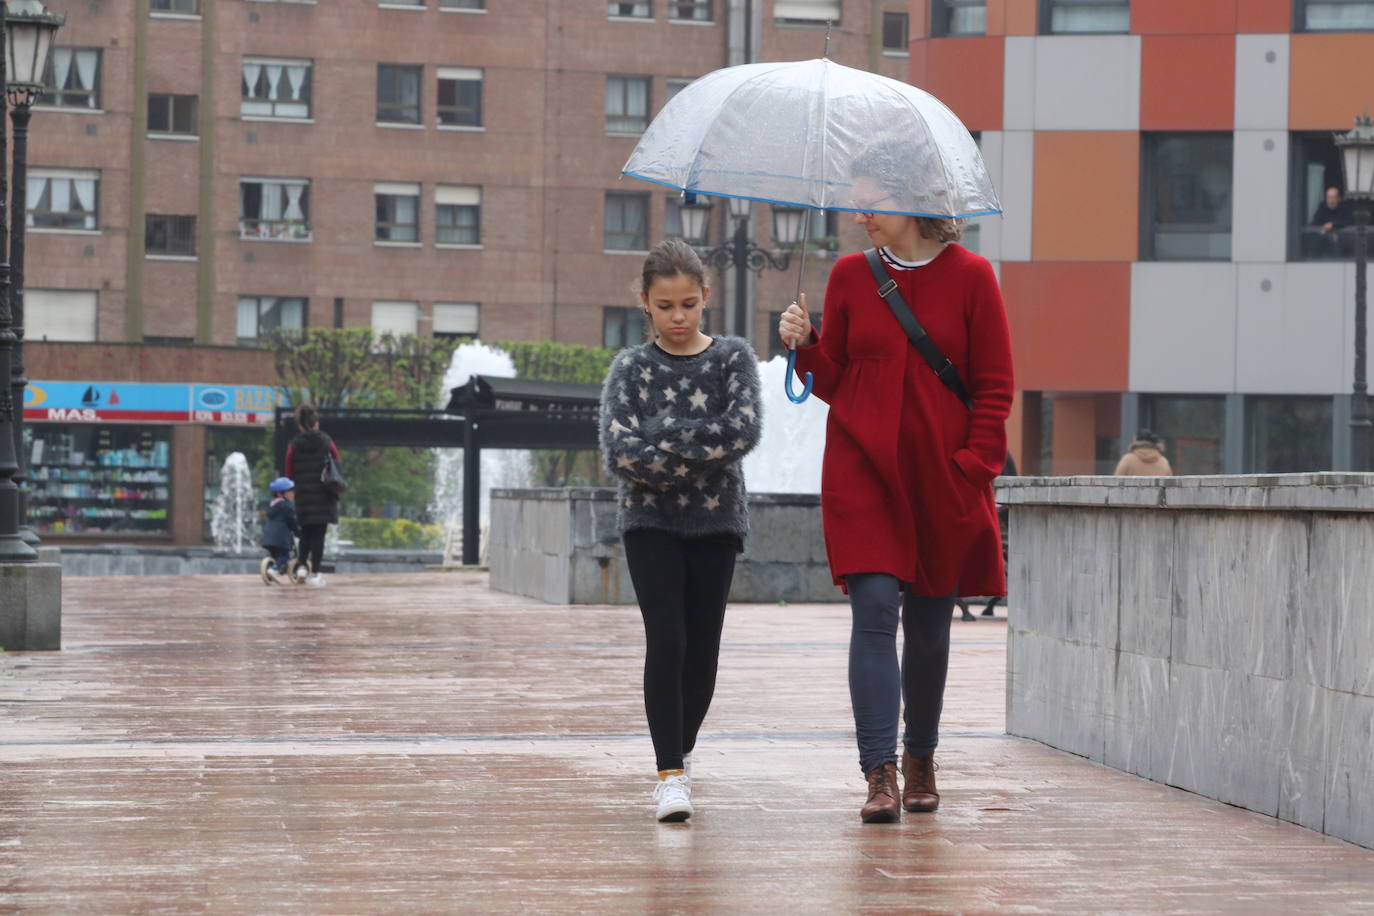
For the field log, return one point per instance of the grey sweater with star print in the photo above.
(674, 429)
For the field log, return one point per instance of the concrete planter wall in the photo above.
(133, 560)
(1211, 633)
(560, 545)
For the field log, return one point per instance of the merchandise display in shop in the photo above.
(87, 480)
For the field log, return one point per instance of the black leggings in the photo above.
(682, 584)
(312, 546)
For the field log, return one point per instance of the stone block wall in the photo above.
(1211, 633)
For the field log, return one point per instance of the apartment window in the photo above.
(622, 326)
(62, 199)
(807, 12)
(274, 209)
(169, 235)
(398, 94)
(175, 6)
(672, 216)
(1068, 17)
(1287, 435)
(1193, 428)
(1333, 15)
(690, 10)
(460, 96)
(72, 78)
(395, 318)
(419, 3)
(952, 18)
(462, 4)
(895, 31)
(627, 221)
(259, 316)
(1186, 206)
(456, 320)
(59, 314)
(398, 212)
(275, 88)
(672, 87)
(172, 114)
(823, 233)
(627, 104)
(1316, 172)
(630, 10)
(458, 215)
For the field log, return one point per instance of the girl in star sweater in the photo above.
(678, 414)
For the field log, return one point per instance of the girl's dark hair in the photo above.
(307, 417)
(669, 258)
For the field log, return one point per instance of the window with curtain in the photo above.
(895, 31)
(60, 314)
(459, 101)
(1334, 15)
(274, 209)
(622, 326)
(456, 320)
(395, 317)
(259, 316)
(462, 4)
(172, 114)
(458, 214)
(952, 18)
(169, 235)
(275, 88)
(627, 104)
(398, 212)
(1186, 207)
(629, 10)
(690, 10)
(1067, 17)
(807, 12)
(627, 221)
(62, 199)
(72, 78)
(398, 94)
(175, 6)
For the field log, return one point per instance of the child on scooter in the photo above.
(279, 532)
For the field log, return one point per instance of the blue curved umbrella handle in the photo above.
(787, 383)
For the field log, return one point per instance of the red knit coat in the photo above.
(906, 484)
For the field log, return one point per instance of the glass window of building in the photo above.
(953, 18)
(627, 104)
(456, 320)
(1287, 435)
(72, 78)
(462, 4)
(63, 199)
(1319, 216)
(188, 7)
(617, 10)
(397, 212)
(690, 10)
(274, 209)
(1334, 15)
(1080, 17)
(169, 235)
(459, 99)
(92, 479)
(895, 31)
(259, 316)
(395, 317)
(807, 12)
(1186, 197)
(627, 221)
(458, 214)
(672, 216)
(622, 326)
(672, 87)
(172, 114)
(1192, 427)
(275, 88)
(60, 314)
(398, 94)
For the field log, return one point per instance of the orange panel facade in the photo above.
(1187, 82)
(1331, 80)
(1184, 17)
(1070, 324)
(1265, 17)
(965, 74)
(1020, 17)
(1087, 196)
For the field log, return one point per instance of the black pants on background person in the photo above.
(312, 546)
(682, 584)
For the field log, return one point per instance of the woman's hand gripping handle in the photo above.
(794, 327)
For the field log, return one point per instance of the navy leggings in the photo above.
(681, 584)
(312, 546)
(877, 685)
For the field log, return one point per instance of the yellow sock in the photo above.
(664, 774)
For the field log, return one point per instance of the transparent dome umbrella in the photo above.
(819, 135)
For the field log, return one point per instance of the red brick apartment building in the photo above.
(204, 171)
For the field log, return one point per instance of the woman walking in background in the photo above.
(1144, 458)
(677, 415)
(316, 506)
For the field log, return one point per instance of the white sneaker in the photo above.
(687, 765)
(674, 797)
(276, 577)
(316, 580)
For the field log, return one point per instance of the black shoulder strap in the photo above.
(943, 368)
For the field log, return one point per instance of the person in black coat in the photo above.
(316, 507)
(280, 530)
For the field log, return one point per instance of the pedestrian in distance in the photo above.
(678, 413)
(316, 506)
(279, 532)
(906, 483)
(1144, 458)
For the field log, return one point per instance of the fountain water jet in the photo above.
(234, 516)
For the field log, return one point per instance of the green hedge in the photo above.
(391, 534)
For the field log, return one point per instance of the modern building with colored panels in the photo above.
(1161, 164)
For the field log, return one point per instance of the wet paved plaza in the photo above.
(419, 744)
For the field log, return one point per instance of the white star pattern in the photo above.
(626, 462)
(687, 435)
(657, 465)
(684, 500)
(681, 471)
(669, 395)
(649, 499)
(747, 410)
(714, 428)
(714, 453)
(698, 399)
(647, 374)
(712, 502)
(617, 429)
(685, 383)
(699, 482)
(634, 421)
(643, 393)
(740, 444)
(668, 420)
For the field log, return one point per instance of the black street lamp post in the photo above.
(741, 253)
(1357, 158)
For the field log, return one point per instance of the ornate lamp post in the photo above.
(741, 253)
(1357, 159)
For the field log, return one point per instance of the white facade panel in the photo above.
(1262, 82)
(1016, 191)
(1183, 327)
(1018, 83)
(1259, 215)
(1288, 328)
(990, 227)
(1087, 82)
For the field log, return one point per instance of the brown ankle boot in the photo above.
(882, 806)
(918, 791)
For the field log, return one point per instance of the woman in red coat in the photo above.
(906, 485)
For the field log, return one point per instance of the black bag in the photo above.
(331, 474)
(943, 368)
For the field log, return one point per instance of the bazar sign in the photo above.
(139, 402)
